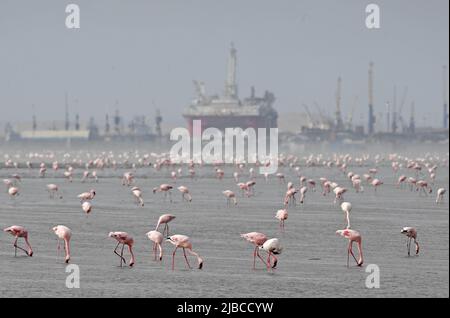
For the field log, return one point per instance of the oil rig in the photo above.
(228, 110)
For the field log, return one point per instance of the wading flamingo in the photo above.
(352, 236)
(124, 239)
(281, 215)
(272, 247)
(184, 242)
(440, 195)
(230, 197)
(19, 231)
(157, 239)
(411, 234)
(165, 219)
(185, 194)
(258, 239)
(63, 233)
(347, 207)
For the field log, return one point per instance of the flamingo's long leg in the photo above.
(173, 257)
(121, 257)
(185, 257)
(18, 247)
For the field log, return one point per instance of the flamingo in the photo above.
(86, 207)
(53, 190)
(303, 191)
(13, 192)
(347, 207)
(124, 239)
(185, 194)
(165, 219)
(230, 197)
(258, 239)
(137, 193)
(164, 188)
(376, 183)
(157, 239)
(411, 233)
(282, 215)
(127, 179)
(19, 231)
(87, 196)
(63, 233)
(440, 195)
(184, 242)
(352, 236)
(272, 247)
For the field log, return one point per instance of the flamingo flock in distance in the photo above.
(421, 180)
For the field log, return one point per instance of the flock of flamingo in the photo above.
(419, 176)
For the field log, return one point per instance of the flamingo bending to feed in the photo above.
(157, 239)
(185, 194)
(164, 188)
(258, 239)
(124, 239)
(272, 247)
(63, 233)
(165, 219)
(440, 195)
(87, 196)
(411, 234)
(19, 231)
(184, 242)
(230, 197)
(352, 236)
(137, 193)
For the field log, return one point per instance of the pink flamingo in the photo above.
(376, 183)
(282, 215)
(165, 219)
(230, 197)
(124, 239)
(401, 180)
(258, 239)
(137, 193)
(127, 179)
(185, 194)
(87, 196)
(440, 195)
(339, 194)
(352, 236)
(347, 207)
(164, 188)
(244, 189)
(53, 190)
(63, 233)
(184, 242)
(86, 207)
(411, 233)
(303, 191)
(157, 239)
(272, 247)
(19, 231)
(13, 192)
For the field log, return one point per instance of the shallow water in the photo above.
(313, 262)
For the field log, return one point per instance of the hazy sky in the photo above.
(137, 52)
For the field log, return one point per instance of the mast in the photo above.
(230, 83)
(371, 115)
